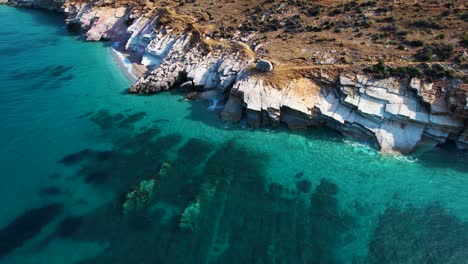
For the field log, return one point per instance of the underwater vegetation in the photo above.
(215, 205)
(419, 235)
(180, 200)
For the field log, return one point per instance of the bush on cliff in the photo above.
(464, 39)
(437, 71)
(380, 70)
(435, 52)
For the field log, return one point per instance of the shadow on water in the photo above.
(69, 226)
(49, 77)
(26, 226)
(47, 18)
(419, 235)
(445, 156)
(136, 151)
(50, 191)
(34, 43)
(50, 71)
(105, 120)
(213, 204)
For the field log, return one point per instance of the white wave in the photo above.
(404, 158)
(361, 148)
(126, 63)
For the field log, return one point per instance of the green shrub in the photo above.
(414, 43)
(449, 5)
(386, 20)
(425, 23)
(440, 52)
(464, 39)
(380, 70)
(437, 71)
(402, 33)
(313, 11)
(369, 3)
(464, 17)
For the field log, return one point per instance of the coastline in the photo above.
(133, 70)
(394, 113)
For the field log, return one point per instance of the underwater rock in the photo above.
(190, 217)
(165, 166)
(328, 223)
(419, 235)
(139, 196)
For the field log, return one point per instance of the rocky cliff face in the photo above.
(397, 114)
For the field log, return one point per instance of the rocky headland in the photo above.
(397, 103)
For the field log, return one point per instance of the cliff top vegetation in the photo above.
(343, 33)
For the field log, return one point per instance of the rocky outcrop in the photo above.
(182, 61)
(392, 110)
(265, 103)
(398, 115)
(139, 196)
(395, 114)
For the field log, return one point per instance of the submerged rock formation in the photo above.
(398, 114)
(139, 196)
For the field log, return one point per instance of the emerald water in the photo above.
(73, 144)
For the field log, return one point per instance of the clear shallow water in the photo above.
(73, 144)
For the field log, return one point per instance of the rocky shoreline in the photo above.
(395, 114)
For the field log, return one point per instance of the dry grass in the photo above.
(338, 37)
(343, 43)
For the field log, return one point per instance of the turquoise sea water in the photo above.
(73, 144)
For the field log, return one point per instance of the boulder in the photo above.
(232, 111)
(189, 220)
(264, 65)
(139, 196)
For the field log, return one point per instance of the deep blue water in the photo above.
(74, 144)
